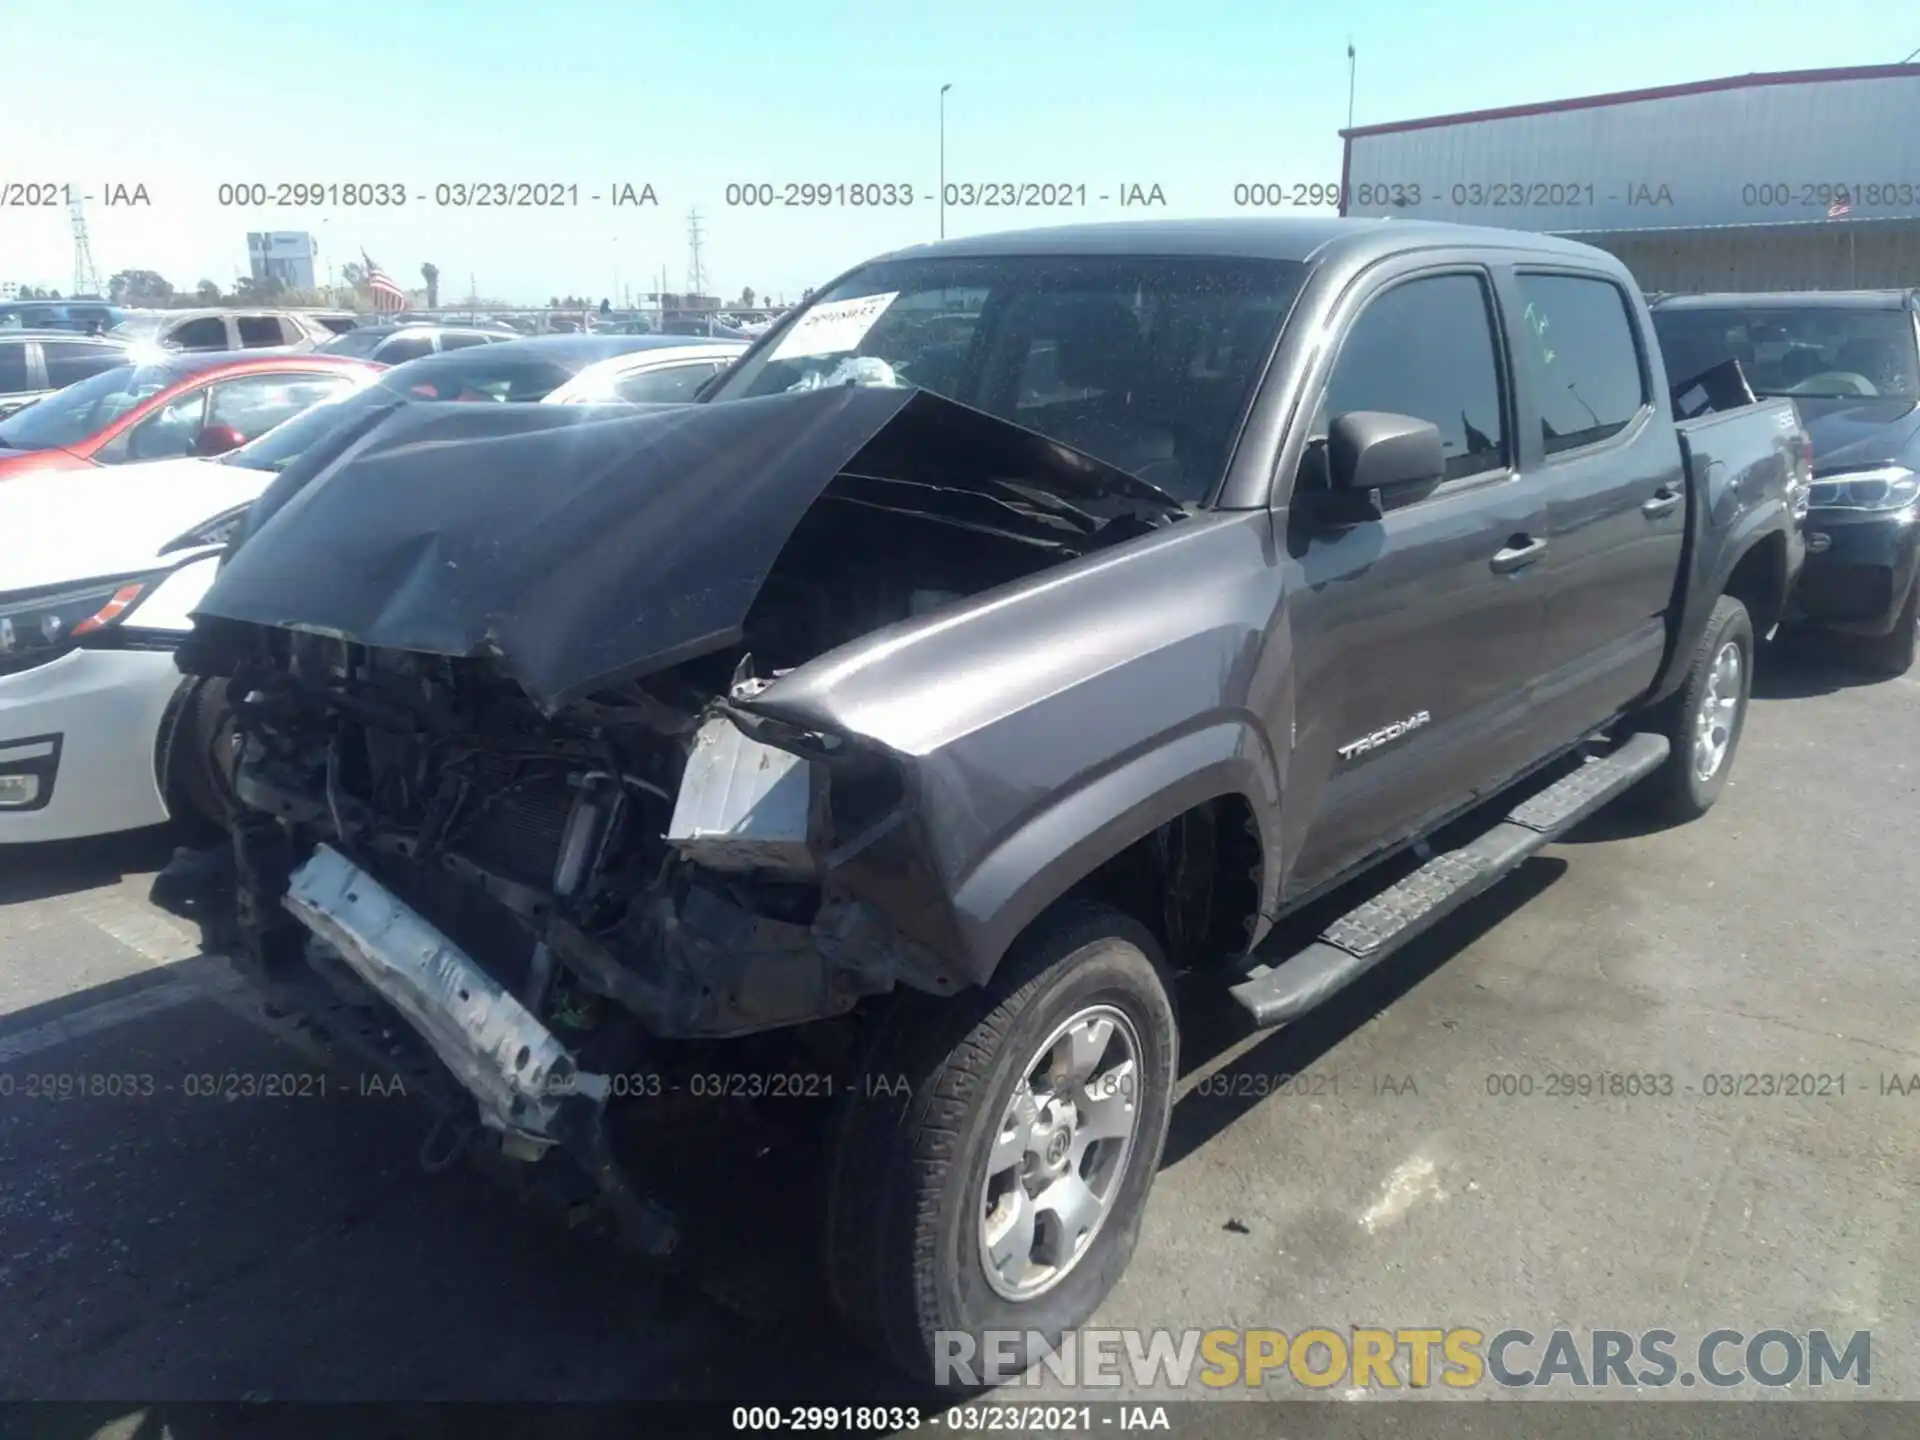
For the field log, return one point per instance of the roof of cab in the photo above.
(1313, 239)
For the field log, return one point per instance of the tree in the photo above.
(249, 291)
(745, 302)
(430, 272)
(139, 287)
(207, 293)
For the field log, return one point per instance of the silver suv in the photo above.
(223, 329)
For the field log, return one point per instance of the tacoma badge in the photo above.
(1381, 736)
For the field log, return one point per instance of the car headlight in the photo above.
(36, 629)
(1892, 487)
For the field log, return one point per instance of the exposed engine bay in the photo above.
(527, 879)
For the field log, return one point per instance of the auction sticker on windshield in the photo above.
(833, 327)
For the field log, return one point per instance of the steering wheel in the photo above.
(1827, 379)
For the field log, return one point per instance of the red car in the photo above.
(172, 406)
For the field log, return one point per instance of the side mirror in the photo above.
(217, 440)
(1375, 450)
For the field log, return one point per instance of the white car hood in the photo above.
(63, 525)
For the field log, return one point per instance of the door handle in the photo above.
(1662, 503)
(1520, 553)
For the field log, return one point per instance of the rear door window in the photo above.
(1587, 375)
(13, 369)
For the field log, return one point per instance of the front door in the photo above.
(1416, 635)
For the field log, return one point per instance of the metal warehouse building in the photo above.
(1802, 180)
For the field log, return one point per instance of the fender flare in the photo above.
(1081, 830)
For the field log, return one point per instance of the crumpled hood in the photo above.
(61, 525)
(1852, 434)
(584, 546)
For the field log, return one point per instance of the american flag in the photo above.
(387, 294)
(1837, 209)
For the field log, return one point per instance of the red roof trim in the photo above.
(1661, 92)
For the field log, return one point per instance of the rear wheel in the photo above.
(1704, 719)
(1892, 654)
(990, 1173)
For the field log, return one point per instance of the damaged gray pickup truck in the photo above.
(1022, 622)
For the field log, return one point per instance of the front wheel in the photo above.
(1704, 719)
(989, 1173)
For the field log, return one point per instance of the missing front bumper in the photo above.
(523, 1079)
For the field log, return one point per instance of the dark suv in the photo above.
(87, 317)
(1850, 361)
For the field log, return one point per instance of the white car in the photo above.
(100, 571)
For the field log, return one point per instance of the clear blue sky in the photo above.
(1194, 97)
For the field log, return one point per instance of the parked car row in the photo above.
(909, 695)
(115, 496)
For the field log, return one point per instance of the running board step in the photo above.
(1367, 934)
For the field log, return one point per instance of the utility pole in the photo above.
(943, 160)
(696, 272)
(86, 280)
(1352, 65)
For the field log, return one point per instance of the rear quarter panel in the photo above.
(1740, 465)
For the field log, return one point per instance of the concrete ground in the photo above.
(171, 1244)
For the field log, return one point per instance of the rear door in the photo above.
(68, 361)
(1415, 636)
(1615, 489)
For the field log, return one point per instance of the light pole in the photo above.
(943, 160)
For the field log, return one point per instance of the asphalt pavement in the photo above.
(164, 1236)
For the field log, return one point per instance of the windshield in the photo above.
(83, 410)
(1146, 363)
(1828, 351)
(471, 375)
(139, 327)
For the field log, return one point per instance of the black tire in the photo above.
(197, 741)
(1677, 791)
(1892, 654)
(907, 1163)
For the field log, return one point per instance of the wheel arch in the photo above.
(1210, 792)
